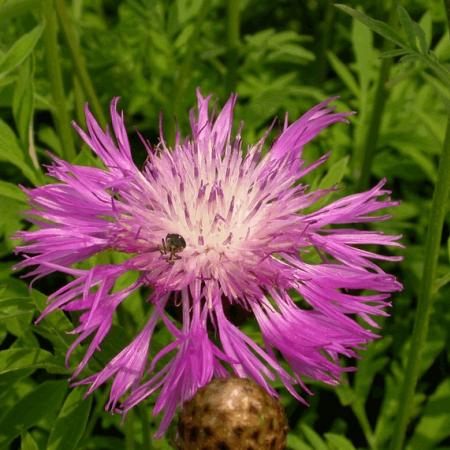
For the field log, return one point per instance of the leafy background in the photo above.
(278, 56)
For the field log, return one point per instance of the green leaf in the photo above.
(373, 361)
(12, 191)
(362, 41)
(15, 306)
(12, 8)
(10, 221)
(20, 50)
(423, 45)
(28, 443)
(295, 443)
(50, 139)
(314, 439)
(345, 393)
(448, 248)
(344, 74)
(408, 25)
(440, 282)
(381, 28)
(23, 103)
(395, 52)
(24, 358)
(434, 425)
(426, 24)
(338, 442)
(29, 410)
(54, 326)
(333, 176)
(71, 422)
(11, 152)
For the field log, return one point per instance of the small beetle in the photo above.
(171, 245)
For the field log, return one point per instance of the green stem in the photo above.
(79, 63)
(425, 298)
(60, 114)
(233, 35)
(360, 413)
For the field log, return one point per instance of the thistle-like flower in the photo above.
(207, 225)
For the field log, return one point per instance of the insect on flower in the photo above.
(244, 222)
(172, 244)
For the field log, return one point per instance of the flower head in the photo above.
(206, 225)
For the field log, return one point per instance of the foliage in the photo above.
(154, 54)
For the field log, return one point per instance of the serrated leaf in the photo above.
(71, 422)
(28, 443)
(379, 27)
(44, 400)
(20, 50)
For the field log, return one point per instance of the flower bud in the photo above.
(232, 414)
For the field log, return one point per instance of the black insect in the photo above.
(171, 245)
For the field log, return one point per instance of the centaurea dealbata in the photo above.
(243, 225)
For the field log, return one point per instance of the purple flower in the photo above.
(207, 225)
